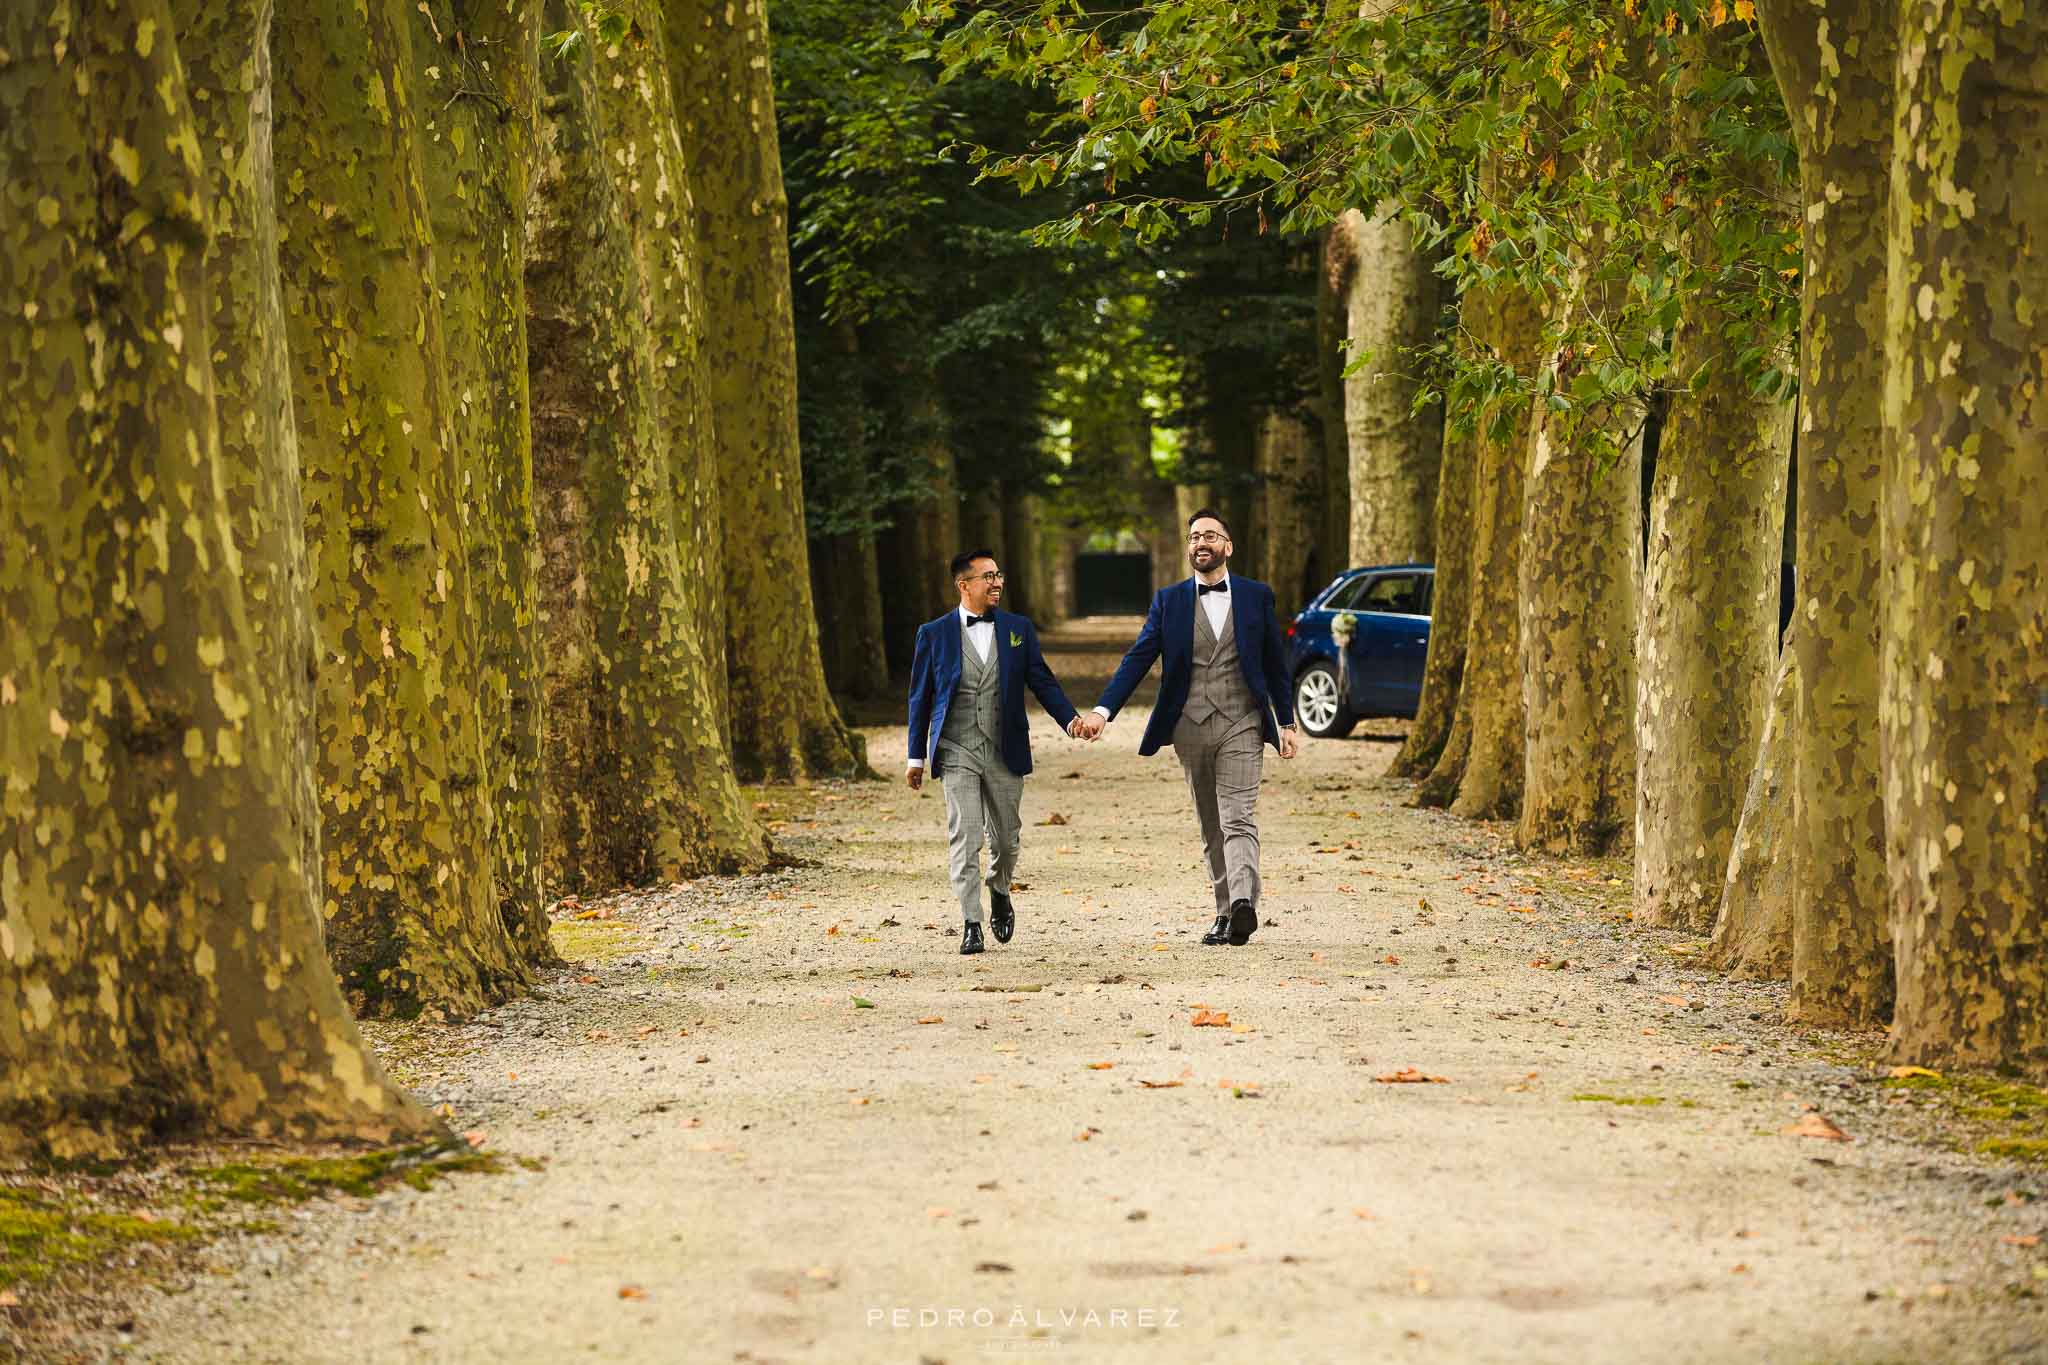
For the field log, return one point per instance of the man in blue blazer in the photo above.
(967, 682)
(1223, 696)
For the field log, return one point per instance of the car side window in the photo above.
(1394, 592)
(1345, 598)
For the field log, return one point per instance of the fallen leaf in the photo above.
(643, 1032)
(1085, 1134)
(831, 930)
(599, 1035)
(994, 1267)
(863, 1003)
(1054, 819)
(1391, 960)
(932, 1019)
(632, 1291)
(586, 981)
(476, 1137)
(2012, 1239)
(1677, 1001)
(938, 1211)
(1408, 1075)
(1814, 1126)
(1900, 1073)
(1101, 1066)
(8, 1299)
(1366, 1214)
(1221, 1247)
(1160, 1085)
(1205, 1018)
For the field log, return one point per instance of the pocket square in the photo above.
(1016, 640)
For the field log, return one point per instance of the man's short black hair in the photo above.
(1213, 515)
(964, 561)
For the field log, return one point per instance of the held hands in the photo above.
(1290, 742)
(1086, 727)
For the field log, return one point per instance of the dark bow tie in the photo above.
(1201, 588)
(987, 620)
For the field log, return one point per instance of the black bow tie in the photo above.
(1201, 588)
(987, 620)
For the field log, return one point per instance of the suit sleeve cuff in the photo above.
(916, 765)
(1103, 711)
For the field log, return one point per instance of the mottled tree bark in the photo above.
(1580, 574)
(1395, 451)
(226, 55)
(1709, 631)
(477, 68)
(1753, 926)
(1449, 609)
(634, 107)
(1489, 782)
(1838, 89)
(1965, 598)
(1581, 581)
(784, 723)
(160, 964)
(639, 787)
(412, 916)
(1290, 486)
(1333, 287)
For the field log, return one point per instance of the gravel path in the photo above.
(1037, 1152)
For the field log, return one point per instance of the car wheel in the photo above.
(1319, 704)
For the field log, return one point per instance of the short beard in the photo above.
(1195, 563)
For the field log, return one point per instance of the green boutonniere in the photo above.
(1016, 640)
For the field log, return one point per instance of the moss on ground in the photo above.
(1644, 1100)
(58, 1224)
(298, 1179)
(40, 1236)
(1989, 1115)
(594, 940)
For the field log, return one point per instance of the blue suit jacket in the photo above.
(935, 676)
(1169, 634)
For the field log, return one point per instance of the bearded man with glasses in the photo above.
(1223, 696)
(967, 683)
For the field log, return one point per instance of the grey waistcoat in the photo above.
(973, 720)
(1218, 687)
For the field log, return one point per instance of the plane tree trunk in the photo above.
(156, 766)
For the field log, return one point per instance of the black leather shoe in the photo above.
(1243, 922)
(1219, 932)
(970, 939)
(1002, 916)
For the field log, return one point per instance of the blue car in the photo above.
(1381, 674)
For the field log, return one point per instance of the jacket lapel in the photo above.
(1002, 651)
(1237, 628)
(949, 678)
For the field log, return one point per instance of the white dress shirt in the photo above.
(981, 635)
(1217, 604)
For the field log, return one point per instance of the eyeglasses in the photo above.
(1207, 538)
(992, 576)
